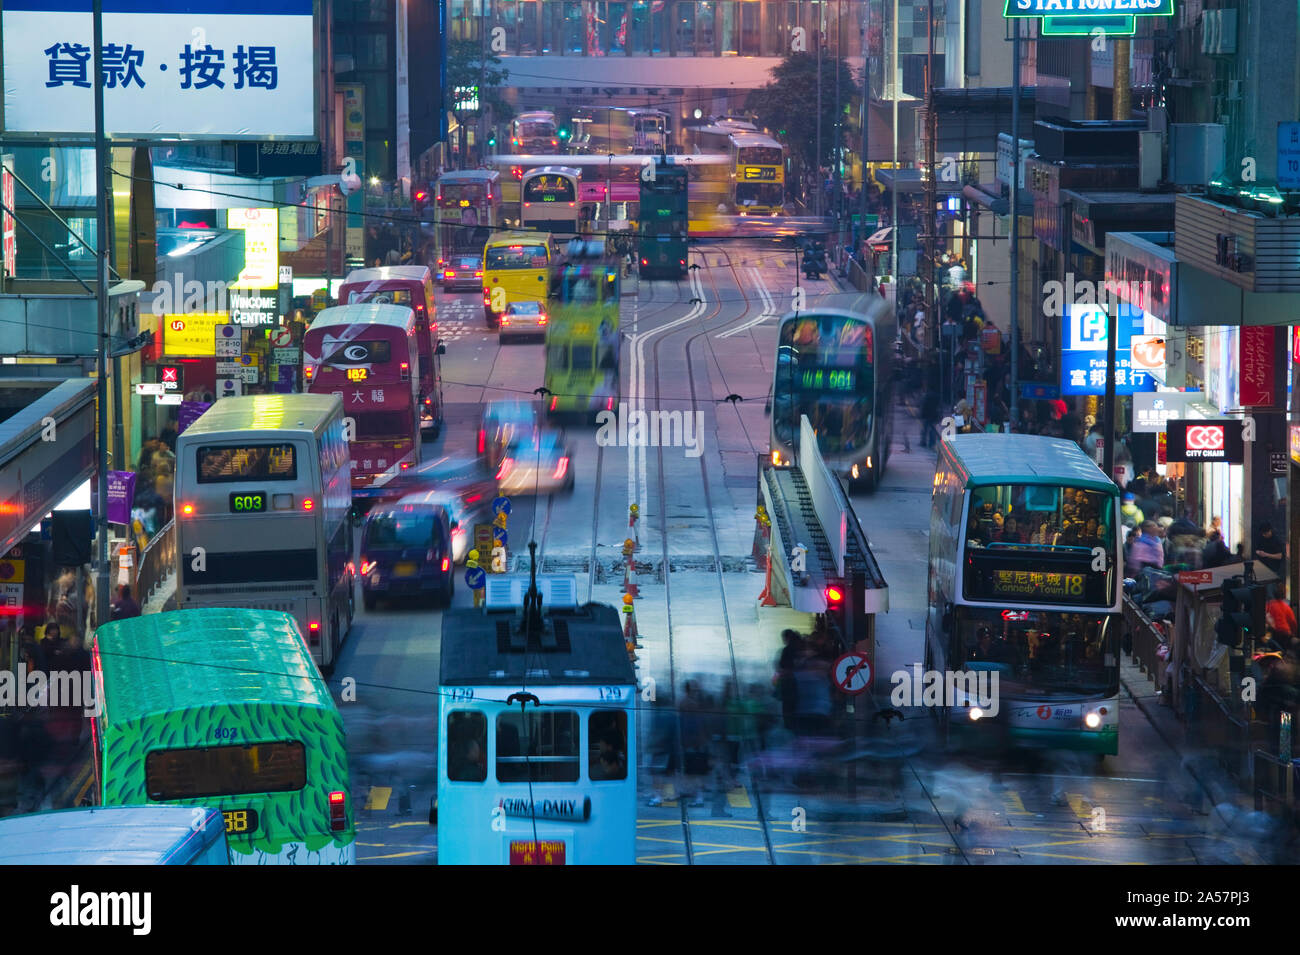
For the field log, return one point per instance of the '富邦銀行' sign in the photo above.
(1088, 8)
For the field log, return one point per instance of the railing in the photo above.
(1216, 724)
(156, 563)
(1145, 639)
(859, 276)
(1274, 784)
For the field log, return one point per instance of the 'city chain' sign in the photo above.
(1088, 8)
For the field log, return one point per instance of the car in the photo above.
(504, 423)
(406, 550)
(523, 320)
(462, 272)
(538, 464)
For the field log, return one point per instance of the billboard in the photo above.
(9, 227)
(192, 335)
(1088, 9)
(208, 69)
(261, 247)
(1083, 352)
(1202, 440)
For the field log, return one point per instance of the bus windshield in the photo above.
(536, 129)
(759, 156)
(1039, 650)
(825, 371)
(1035, 516)
(550, 188)
(516, 257)
(758, 193)
(452, 193)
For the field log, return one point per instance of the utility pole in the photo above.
(101, 311)
(893, 213)
(1015, 227)
(931, 188)
(839, 112)
(865, 111)
(817, 187)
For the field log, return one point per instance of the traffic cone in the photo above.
(633, 511)
(765, 598)
(630, 635)
(630, 586)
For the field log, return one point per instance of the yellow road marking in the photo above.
(1082, 808)
(1015, 806)
(377, 801)
(739, 799)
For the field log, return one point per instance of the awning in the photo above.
(910, 181)
(989, 196)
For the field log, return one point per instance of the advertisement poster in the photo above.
(189, 412)
(121, 494)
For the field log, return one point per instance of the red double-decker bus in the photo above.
(369, 355)
(410, 286)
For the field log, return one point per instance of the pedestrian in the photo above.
(1269, 549)
(813, 707)
(929, 418)
(1129, 514)
(1215, 553)
(786, 688)
(1145, 549)
(124, 607)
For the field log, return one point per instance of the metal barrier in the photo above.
(1219, 725)
(858, 276)
(1274, 784)
(1145, 640)
(156, 563)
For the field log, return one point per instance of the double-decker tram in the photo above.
(649, 131)
(664, 223)
(536, 731)
(1025, 587)
(582, 338)
(836, 367)
(549, 201)
(467, 209)
(757, 184)
(534, 132)
(368, 355)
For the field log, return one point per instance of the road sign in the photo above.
(483, 539)
(150, 388)
(229, 341)
(475, 578)
(228, 387)
(1277, 461)
(501, 506)
(249, 373)
(281, 338)
(852, 673)
(1288, 155)
(172, 399)
(500, 536)
(286, 275)
(285, 356)
(228, 369)
(1031, 390)
(318, 300)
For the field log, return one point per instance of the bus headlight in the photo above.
(1093, 720)
(855, 472)
(975, 714)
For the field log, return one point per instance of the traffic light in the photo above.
(1237, 612)
(492, 140)
(835, 594)
(564, 134)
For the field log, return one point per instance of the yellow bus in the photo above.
(516, 268)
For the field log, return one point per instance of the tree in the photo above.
(468, 66)
(788, 104)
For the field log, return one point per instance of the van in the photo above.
(406, 550)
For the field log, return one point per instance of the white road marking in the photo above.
(769, 307)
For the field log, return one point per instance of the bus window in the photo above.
(537, 747)
(254, 462)
(388, 296)
(466, 746)
(582, 356)
(225, 770)
(1040, 516)
(607, 745)
(557, 356)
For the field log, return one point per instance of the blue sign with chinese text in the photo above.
(1083, 352)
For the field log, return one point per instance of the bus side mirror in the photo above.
(442, 348)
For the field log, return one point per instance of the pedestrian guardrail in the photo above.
(1145, 639)
(1274, 784)
(1217, 724)
(858, 276)
(156, 563)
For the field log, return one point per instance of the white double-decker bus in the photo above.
(1025, 582)
(263, 494)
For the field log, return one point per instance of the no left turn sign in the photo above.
(281, 338)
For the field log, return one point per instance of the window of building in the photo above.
(751, 39)
(529, 27)
(684, 22)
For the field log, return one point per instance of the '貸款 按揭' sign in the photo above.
(208, 69)
(1088, 8)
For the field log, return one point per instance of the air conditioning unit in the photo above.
(1151, 147)
(1196, 152)
(1219, 32)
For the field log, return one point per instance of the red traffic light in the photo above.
(834, 595)
(421, 196)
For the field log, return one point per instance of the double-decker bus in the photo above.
(263, 494)
(368, 355)
(664, 222)
(467, 209)
(549, 201)
(757, 185)
(224, 709)
(582, 337)
(534, 132)
(836, 367)
(1026, 580)
(412, 286)
(516, 268)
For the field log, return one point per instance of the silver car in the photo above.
(539, 464)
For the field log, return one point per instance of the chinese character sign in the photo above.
(205, 68)
(1256, 356)
(1083, 352)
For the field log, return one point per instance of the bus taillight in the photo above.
(482, 440)
(609, 403)
(645, 261)
(507, 466)
(561, 469)
(308, 371)
(308, 504)
(187, 509)
(338, 811)
(445, 564)
(554, 403)
(449, 275)
(313, 630)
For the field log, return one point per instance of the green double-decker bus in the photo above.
(225, 708)
(665, 223)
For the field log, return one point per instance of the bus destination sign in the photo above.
(1037, 584)
(760, 173)
(828, 379)
(248, 502)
